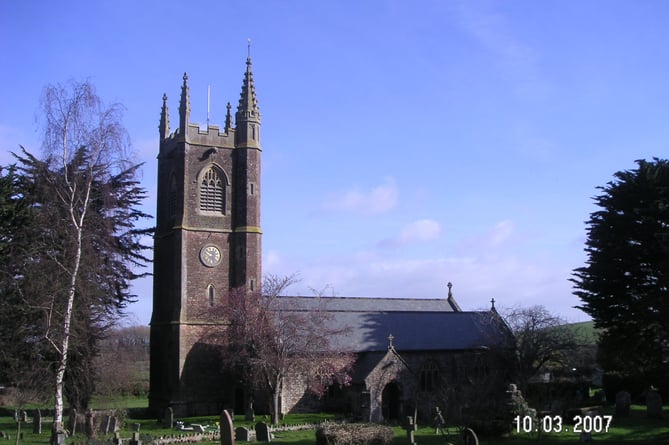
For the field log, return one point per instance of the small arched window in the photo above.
(212, 191)
(211, 294)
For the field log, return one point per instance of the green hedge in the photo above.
(354, 434)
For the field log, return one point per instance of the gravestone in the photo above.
(135, 440)
(105, 424)
(262, 432)
(227, 430)
(623, 402)
(24, 416)
(113, 424)
(243, 434)
(439, 422)
(410, 427)
(117, 439)
(168, 419)
(37, 422)
(250, 413)
(73, 421)
(469, 437)
(653, 404)
(90, 425)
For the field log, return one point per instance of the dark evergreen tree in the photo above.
(111, 251)
(624, 285)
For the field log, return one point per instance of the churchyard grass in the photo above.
(637, 429)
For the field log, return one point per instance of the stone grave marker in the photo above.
(37, 422)
(24, 416)
(135, 440)
(117, 439)
(168, 419)
(73, 421)
(243, 434)
(90, 425)
(653, 404)
(227, 430)
(410, 427)
(113, 424)
(105, 423)
(262, 432)
(623, 402)
(250, 416)
(469, 437)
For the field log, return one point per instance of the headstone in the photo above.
(135, 440)
(24, 416)
(90, 425)
(243, 434)
(73, 421)
(117, 439)
(262, 432)
(37, 422)
(227, 430)
(623, 402)
(113, 424)
(105, 424)
(168, 419)
(136, 427)
(410, 427)
(250, 413)
(439, 422)
(469, 437)
(653, 404)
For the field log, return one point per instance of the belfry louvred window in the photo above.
(212, 191)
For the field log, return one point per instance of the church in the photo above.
(411, 354)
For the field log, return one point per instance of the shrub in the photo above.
(354, 434)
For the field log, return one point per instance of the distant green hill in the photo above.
(585, 332)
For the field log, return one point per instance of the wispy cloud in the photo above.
(493, 31)
(477, 278)
(380, 199)
(420, 231)
(494, 238)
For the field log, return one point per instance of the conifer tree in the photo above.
(624, 285)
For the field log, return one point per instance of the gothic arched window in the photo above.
(212, 191)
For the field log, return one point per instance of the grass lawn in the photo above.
(635, 429)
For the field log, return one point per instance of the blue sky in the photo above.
(405, 144)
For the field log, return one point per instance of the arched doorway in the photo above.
(391, 402)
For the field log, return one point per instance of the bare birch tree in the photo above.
(85, 198)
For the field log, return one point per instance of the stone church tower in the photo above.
(207, 241)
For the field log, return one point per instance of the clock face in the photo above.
(210, 255)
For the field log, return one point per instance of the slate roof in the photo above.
(415, 324)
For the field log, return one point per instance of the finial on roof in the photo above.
(184, 105)
(450, 285)
(164, 127)
(248, 103)
(492, 302)
(390, 341)
(228, 117)
(249, 48)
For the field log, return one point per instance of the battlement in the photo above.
(211, 136)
